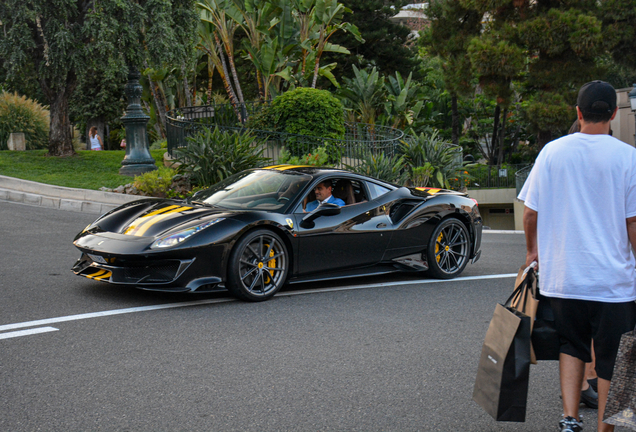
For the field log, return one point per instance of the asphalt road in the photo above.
(319, 357)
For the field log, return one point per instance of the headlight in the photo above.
(175, 239)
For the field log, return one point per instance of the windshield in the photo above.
(254, 190)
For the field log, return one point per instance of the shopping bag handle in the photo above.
(517, 291)
(533, 266)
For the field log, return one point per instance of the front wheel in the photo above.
(448, 249)
(258, 266)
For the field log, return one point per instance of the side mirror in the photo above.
(326, 209)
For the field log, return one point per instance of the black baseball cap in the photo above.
(597, 97)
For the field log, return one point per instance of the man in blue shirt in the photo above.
(323, 195)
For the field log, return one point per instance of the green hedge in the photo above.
(303, 111)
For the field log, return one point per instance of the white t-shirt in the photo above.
(583, 188)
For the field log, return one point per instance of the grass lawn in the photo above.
(86, 170)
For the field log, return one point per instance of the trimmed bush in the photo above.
(155, 183)
(303, 111)
(19, 114)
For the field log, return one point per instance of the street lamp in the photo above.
(632, 101)
(138, 159)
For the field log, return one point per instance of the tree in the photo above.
(497, 60)
(562, 41)
(64, 40)
(97, 100)
(619, 26)
(285, 40)
(452, 28)
(386, 45)
(565, 39)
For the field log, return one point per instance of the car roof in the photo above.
(317, 172)
(306, 169)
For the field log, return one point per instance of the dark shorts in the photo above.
(580, 321)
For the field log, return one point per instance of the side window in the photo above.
(309, 197)
(350, 191)
(359, 191)
(376, 190)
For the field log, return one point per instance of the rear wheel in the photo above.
(448, 249)
(258, 266)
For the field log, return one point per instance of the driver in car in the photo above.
(323, 195)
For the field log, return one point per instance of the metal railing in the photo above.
(359, 139)
(521, 176)
(492, 177)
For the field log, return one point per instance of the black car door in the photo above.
(356, 237)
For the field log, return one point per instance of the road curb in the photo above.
(59, 197)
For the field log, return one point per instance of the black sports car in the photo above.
(251, 234)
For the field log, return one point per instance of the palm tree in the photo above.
(364, 94)
(222, 14)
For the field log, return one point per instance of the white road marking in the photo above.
(109, 313)
(27, 332)
(386, 284)
(502, 232)
(225, 300)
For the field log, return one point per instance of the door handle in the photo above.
(381, 225)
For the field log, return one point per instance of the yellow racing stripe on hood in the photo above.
(141, 229)
(143, 219)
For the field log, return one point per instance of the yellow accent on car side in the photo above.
(431, 191)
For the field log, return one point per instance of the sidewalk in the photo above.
(62, 198)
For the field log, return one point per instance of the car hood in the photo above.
(157, 218)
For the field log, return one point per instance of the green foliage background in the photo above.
(19, 114)
(213, 155)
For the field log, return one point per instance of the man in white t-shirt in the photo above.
(580, 224)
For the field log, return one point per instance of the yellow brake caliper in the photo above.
(271, 263)
(437, 243)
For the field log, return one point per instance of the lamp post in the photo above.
(632, 101)
(138, 159)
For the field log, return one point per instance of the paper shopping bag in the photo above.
(501, 386)
(524, 299)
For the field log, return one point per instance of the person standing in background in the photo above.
(95, 140)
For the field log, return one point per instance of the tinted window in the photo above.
(376, 190)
